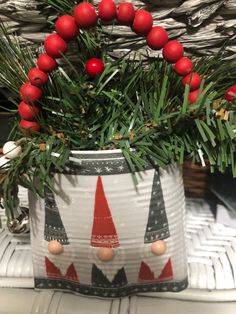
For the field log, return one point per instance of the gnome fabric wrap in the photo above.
(98, 209)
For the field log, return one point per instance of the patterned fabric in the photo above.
(55, 272)
(53, 228)
(146, 275)
(100, 280)
(157, 226)
(66, 285)
(103, 232)
(107, 211)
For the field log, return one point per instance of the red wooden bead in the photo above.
(55, 46)
(229, 93)
(107, 10)
(85, 15)
(46, 63)
(66, 27)
(192, 96)
(29, 125)
(193, 80)
(28, 112)
(94, 67)
(37, 77)
(30, 93)
(157, 37)
(142, 23)
(173, 51)
(183, 66)
(125, 13)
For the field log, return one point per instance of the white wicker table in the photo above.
(211, 266)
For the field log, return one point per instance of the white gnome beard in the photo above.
(110, 268)
(63, 260)
(156, 263)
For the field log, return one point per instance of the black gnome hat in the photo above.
(157, 225)
(53, 227)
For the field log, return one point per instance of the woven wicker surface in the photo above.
(201, 25)
(211, 256)
(196, 180)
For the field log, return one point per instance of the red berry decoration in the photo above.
(107, 10)
(193, 80)
(94, 67)
(28, 112)
(55, 46)
(173, 51)
(183, 66)
(66, 27)
(229, 93)
(142, 23)
(85, 15)
(29, 125)
(30, 93)
(192, 96)
(157, 37)
(37, 77)
(46, 63)
(125, 13)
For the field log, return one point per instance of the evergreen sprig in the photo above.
(62, 6)
(15, 62)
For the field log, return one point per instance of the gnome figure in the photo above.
(54, 228)
(155, 264)
(59, 262)
(157, 225)
(108, 256)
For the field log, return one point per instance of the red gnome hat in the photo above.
(104, 231)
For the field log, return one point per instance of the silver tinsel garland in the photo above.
(201, 25)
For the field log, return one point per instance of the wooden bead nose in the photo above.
(158, 247)
(105, 254)
(55, 247)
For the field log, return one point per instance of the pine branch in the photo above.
(62, 6)
(15, 62)
(143, 111)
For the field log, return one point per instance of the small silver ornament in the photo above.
(21, 223)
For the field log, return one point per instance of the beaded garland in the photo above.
(86, 16)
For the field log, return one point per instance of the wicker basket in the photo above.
(196, 180)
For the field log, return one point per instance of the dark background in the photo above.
(6, 118)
